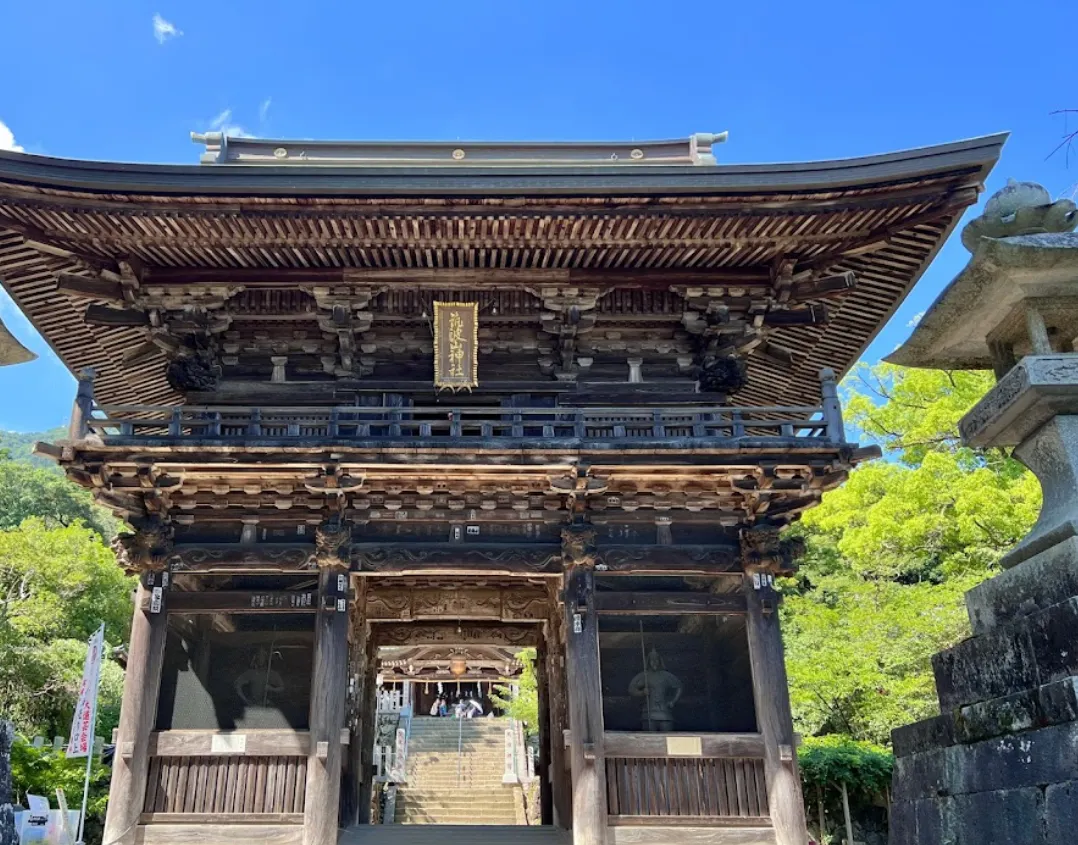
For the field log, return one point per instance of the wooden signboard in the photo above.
(456, 345)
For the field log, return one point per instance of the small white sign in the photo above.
(228, 744)
(578, 623)
(342, 583)
(684, 746)
(156, 596)
(342, 605)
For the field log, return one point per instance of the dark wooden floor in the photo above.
(440, 834)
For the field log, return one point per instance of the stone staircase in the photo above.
(436, 794)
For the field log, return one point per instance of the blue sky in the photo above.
(128, 80)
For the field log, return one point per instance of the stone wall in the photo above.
(1001, 764)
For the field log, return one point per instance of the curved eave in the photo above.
(470, 180)
(952, 335)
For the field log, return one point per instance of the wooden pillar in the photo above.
(358, 706)
(585, 700)
(138, 710)
(832, 406)
(775, 722)
(83, 407)
(329, 688)
(560, 775)
(546, 724)
(369, 716)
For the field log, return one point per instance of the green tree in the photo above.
(41, 771)
(56, 586)
(31, 491)
(892, 552)
(20, 446)
(523, 702)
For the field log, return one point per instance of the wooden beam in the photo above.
(449, 633)
(634, 744)
(102, 315)
(255, 743)
(247, 557)
(85, 287)
(394, 602)
(243, 601)
(662, 604)
(719, 559)
(215, 819)
(455, 559)
(237, 834)
(492, 278)
(835, 285)
(811, 315)
(138, 712)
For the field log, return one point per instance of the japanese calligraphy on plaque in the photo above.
(456, 345)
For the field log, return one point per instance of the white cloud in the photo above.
(915, 319)
(263, 109)
(7, 139)
(164, 30)
(223, 124)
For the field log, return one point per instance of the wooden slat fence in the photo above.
(705, 788)
(226, 784)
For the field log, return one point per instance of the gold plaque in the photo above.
(456, 345)
(684, 746)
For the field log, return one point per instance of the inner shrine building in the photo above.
(376, 412)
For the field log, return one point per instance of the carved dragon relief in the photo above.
(146, 549)
(578, 545)
(765, 549)
(331, 540)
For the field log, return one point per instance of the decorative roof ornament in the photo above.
(695, 150)
(11, 351)
(1020, 208)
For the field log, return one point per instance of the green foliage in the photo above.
(41, 771)
(19, 446)
(27, 491)
(892, 552)
(523, 704)
(56, 586)
(829, 761)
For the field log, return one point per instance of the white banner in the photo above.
(82, 726)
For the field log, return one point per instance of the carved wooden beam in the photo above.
(669, 560)
(454, 558)
(233, 557)
(449, 633)
(666, 604)
(521, 603)
(241, 601)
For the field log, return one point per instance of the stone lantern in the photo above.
(1000, 763)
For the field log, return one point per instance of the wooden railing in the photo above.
(207, 775)
(687, 789)
(436, 425)
(709, 779)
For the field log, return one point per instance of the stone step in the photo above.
(419, 834)
(442, 797)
